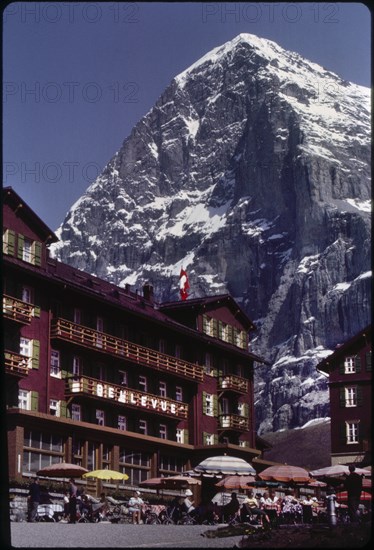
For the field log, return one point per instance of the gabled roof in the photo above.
(200, 305)
(342, 349)
(18, 205)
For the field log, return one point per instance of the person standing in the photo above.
(72, 501)
(353, 486)
(33, 499)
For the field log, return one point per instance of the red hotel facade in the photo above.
(349, 371)
(102, 376)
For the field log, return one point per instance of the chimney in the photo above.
(148, 292)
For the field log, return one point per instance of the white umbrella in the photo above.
(223, 498)
(337, 470)
(230, 465)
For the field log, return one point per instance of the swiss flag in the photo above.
(183, 284)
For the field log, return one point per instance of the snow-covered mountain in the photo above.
(252, 171)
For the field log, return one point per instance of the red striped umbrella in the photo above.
(343, 495)
(286, 473)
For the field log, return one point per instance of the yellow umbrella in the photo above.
(106, 475)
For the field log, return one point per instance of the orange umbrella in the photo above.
(236, 482)
(285, 473)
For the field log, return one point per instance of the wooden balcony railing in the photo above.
(16, 364)
(233, 422)
(17, 310)
(233, 382)
(112, 345)
(83, 385)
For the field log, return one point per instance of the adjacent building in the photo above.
(349, 371)
(103, 376)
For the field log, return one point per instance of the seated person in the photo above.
(135, 507)
(231, 508)
(251, 506)
(291, 508)
(188, 504)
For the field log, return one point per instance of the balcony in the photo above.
(233, 422)
(139, 400)
(233, 383)
(92, 339)
(16, 364)
(17, 310)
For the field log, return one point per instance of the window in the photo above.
(352, 433)
(24, 401)
(179, 436)
(162, 389)
(209, 404)
(55, 369)
(208, 364)
(41, 449)
(76, 412)
(26, 294)
(143, 383)
(178, 393)
(143, 429)
(25, 348)
(225, 405)
(123, 377)
(349, 365)
(162, 346)
(163, 431)
(27, 250)
(77, 316)
(242, 443)
(78, 450)
(54, 407)
(76, 365)
(351, 396)
(100, 417)
(209, 439)
(122, 423)
(241, 409)
(107, 455)
(99, 328)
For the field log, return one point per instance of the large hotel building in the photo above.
(103, 376)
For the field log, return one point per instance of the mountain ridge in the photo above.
(251, 171)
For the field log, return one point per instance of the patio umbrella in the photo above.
(106, 475)
(224, 464)
(343, 495)
(337, 470)
(286, 473)
(316, 483)
(179, 482)
(152, 482)
(62, 469)
(236, 482)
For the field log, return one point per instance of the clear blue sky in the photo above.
(78, 76)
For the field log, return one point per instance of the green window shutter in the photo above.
(204, 402)
(243, 342)
(215, 328)
(20, 244)
(36, 311)
(358, 363)
(368, 360)
(204, 437)
(215, 439)
(35, 354)
(215, 406)
(185, 436)
(246, 410)
(9, 245)
(230, 334)
(341, 367)
(220, 329)
(343, 434)
(359, 396)
(34, 401)
(64, 411)
(342, 397)
(37, 253)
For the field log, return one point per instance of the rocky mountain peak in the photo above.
(252, 171)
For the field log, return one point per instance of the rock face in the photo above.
(252, 171)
